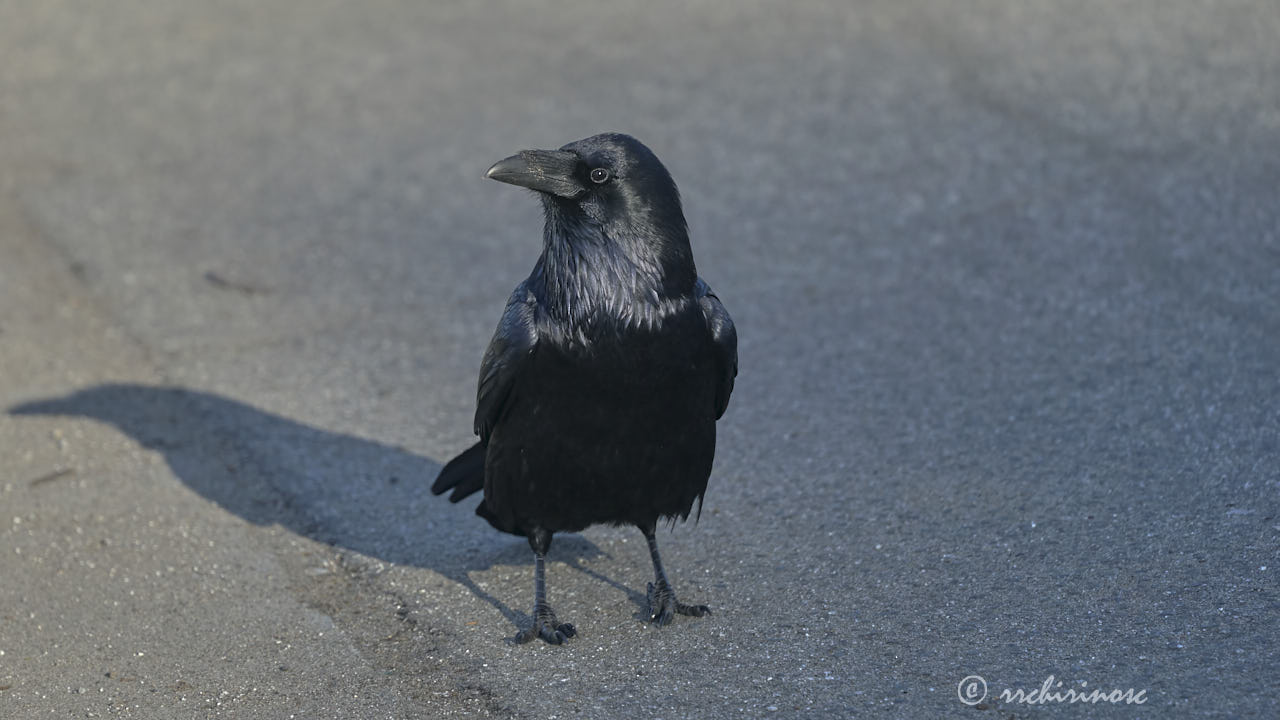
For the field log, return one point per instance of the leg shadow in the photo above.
(639, 599)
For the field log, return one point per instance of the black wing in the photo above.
(512, 345)
(725, 337)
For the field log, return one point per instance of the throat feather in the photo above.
(591, 280)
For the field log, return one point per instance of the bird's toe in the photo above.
(663, 606)
(693, 610)
(547, 627)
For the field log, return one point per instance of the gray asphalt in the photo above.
(1007, 282)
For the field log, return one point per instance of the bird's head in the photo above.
(156, 415)
(610, 181)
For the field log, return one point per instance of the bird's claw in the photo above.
(663, 605)
(547, 627)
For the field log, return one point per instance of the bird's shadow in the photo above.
(339, 489)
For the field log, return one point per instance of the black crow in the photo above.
(600, 391)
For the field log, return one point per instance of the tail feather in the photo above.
(463, 475)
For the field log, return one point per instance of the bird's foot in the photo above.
(547, 627)
(663, 605)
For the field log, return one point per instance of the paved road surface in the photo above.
(1007, 278)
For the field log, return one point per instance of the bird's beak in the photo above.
(547, 171)
(39, 407)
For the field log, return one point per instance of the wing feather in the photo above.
(725, 338)
(513, 343)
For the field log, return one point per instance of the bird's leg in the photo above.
(545, 623)
(662, 599)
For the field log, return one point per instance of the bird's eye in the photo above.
(599, 176)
